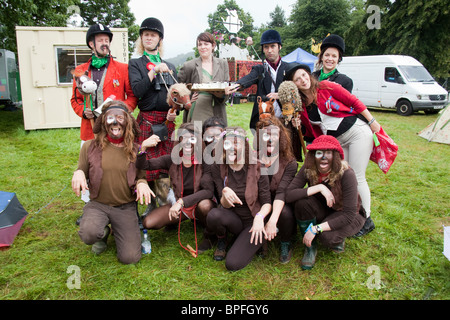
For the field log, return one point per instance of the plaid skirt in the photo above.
(145, 121)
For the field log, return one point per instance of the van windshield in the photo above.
(416, 73)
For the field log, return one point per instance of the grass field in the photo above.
(400, 260)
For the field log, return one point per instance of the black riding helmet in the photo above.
(270, 36)
(152, 24)
(333, 40)
(97, 29)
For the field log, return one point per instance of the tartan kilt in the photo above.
(145, 121)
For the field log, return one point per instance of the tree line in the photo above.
(417, 28)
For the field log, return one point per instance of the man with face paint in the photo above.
(111, 77)
(106, 168)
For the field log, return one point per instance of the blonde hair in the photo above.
(139, 47)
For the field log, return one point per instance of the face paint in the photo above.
(111, 118)
(115, 123)
(192, 140)
(183, 140)
(270, 137)
(323, 160)
(227, 145)
(320, 154)
(212, 133)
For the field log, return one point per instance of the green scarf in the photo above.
(155, 58)
(324, 76)
(98, 62)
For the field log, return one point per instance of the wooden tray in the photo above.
(208, 89)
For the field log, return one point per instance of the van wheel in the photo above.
(404, 108)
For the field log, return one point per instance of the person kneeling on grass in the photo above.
(187, 178)
(245, 201)
(108, 163)
(275, 153)
(330, 208)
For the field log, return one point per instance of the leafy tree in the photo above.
(315, 19)
(415, 28)
(55, 13)
(278, 18)
(112, 13)
(359, 39)
(14, 13)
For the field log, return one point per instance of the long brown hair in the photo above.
(338, 167)
(285, 144)
(246, 144)
(131, 130)
(190, 127)
(315, 84)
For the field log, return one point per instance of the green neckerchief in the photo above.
(155, 58)
(98, 62)
(324, 76)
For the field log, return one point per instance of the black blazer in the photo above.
(260, 76)
(152, 95)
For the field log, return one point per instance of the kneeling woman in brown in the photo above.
(275, 153)
(187, 181)
(245, 199)
(330, 207)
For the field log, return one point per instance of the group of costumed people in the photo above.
(242, 195)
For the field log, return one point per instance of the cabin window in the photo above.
(392, 75)
(67, 58)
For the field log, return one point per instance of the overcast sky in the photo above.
(183, 20)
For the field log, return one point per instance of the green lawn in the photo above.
(401, 259)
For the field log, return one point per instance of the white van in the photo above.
(394, 81)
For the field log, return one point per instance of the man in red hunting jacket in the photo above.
(110, 76)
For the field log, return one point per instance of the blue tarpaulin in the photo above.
(301, 56)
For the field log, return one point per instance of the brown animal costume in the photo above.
(291, 106)
(86, 86)
(178, 97)
(265, 108)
